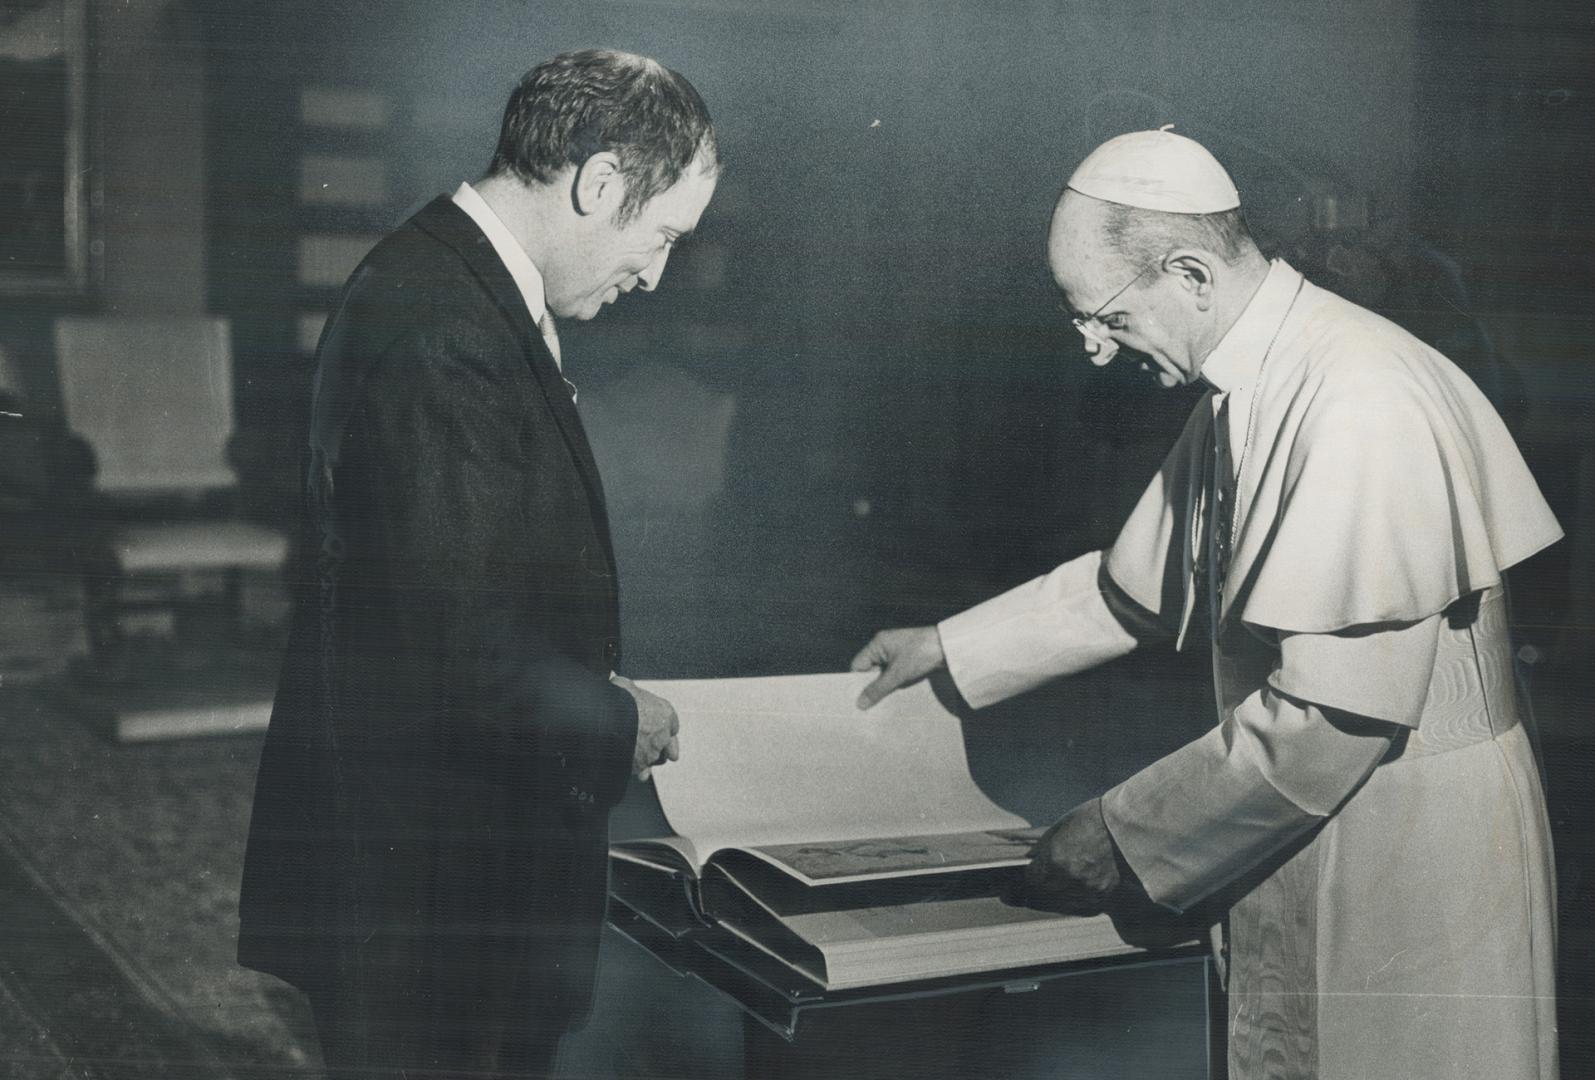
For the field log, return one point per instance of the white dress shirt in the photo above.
(527, 278)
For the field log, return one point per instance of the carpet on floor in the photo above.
(119, 870)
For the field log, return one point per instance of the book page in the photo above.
(672, 853)
(791, 760)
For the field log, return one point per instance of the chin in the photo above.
(1161, 375)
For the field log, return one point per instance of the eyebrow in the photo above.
(1075, 313)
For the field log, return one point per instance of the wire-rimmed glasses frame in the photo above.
(1083, 322)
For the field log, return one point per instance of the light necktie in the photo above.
(546, 327)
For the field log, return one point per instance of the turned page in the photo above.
(789, 769)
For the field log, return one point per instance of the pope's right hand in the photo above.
(903, 656)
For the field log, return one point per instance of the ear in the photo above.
(598, 184)
(1194, 270)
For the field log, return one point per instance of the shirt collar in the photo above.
(1238, 359)
(527, 278)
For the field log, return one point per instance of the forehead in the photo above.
(1082, 265)
(1077, 274)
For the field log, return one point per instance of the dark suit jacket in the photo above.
(432, 805)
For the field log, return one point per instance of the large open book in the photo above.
(853, 846)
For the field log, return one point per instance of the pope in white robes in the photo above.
(1340, 508)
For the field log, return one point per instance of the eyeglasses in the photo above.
(1095, 331)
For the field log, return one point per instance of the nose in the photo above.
(1099, 347)
(648, 280)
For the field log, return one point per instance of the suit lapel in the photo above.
(448, 223)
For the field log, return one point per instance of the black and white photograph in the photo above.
(797, 539)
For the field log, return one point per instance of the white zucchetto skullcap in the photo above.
(1156, 170)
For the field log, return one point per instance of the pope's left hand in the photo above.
(1073, 867)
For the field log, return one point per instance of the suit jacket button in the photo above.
(611, 650)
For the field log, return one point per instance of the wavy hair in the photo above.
(579, 104)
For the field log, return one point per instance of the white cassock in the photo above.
(1391, 900)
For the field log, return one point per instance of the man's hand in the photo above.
(657, 728)
(904, 656)
(1073, 869)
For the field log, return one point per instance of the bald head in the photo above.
(1167, 285)
(1078, 250)
(1151, 252)
(1143, 194)
(1117, 236)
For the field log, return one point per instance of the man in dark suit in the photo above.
(427, 857)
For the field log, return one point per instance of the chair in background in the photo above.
(153, 399)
